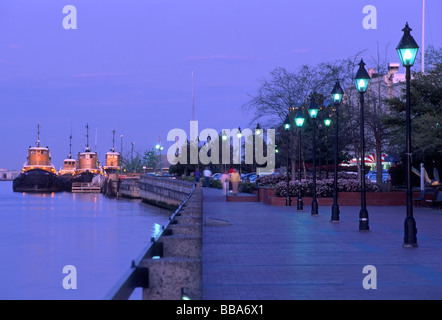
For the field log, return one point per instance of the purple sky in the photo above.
(129, 64)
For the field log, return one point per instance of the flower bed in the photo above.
(273, 191)
(324, 187)
(395, 198)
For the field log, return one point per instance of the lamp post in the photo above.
(159, 148)
(407, 51)
(287, 125)
(239, 136)
(132, 157)
(313, 112)
(327, 123)
(121, 159)
(361, 81)
(299, 120)
(258, 131)
(224, 138)
(337, 94)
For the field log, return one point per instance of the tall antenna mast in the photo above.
(70, 146)
(87, 137)
(38, 135)
(113, 140)
(423, 37)
(193, 101)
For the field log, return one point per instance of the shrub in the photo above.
(215, 184)
(247, 187)
(324, 187)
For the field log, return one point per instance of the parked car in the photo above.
(249, 176)
(217, 176)
(253, 177)
(372, 176)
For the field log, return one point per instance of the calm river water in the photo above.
(40, 234)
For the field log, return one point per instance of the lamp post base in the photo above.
(288, 202)
(410, 239)
(300, 205)
(363, 220)
(314, 207)
(335, 213)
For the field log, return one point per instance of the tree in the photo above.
(283, 92)
(426, 115)
(151, 159)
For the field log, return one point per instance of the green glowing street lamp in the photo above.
(327, 121)
(407, 48)
(337, 94)
(224, 136)
(287, 124)
(239, 133)
(159, 148)
(299, 120)
(407, 51)
(362, 78)
(361, 81)
(313, 110)
(258, 129)
(239, 136)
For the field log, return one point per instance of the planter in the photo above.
(394, 198)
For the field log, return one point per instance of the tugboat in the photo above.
(38, 173)
(87, 166)
(113, 159)
(67, 172)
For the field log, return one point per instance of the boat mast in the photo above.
(87, 137)
(38, 135)
(113, 140)
(423, 37)
(193, 100)
(70, 146)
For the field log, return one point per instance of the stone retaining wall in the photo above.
(178, 269)
(163, 192)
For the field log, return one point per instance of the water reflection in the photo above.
(40, 234)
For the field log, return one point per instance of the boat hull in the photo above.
(37, 180)
(85, 176)
(66, 180)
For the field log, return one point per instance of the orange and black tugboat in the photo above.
(87, 166)
(69, 164)
(38, 173)
(67, 172)
(113, 159)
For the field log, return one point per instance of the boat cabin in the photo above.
(38, 158)
(87, 161)
(113, 160)
(69, 166)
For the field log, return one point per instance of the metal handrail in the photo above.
(137, 276)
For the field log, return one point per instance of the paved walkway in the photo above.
(277, 253)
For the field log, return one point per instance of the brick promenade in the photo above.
(277, 253)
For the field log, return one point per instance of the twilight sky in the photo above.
(128, 65)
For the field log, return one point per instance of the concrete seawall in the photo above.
(172, 264)
(163, 192)
(179, 269)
